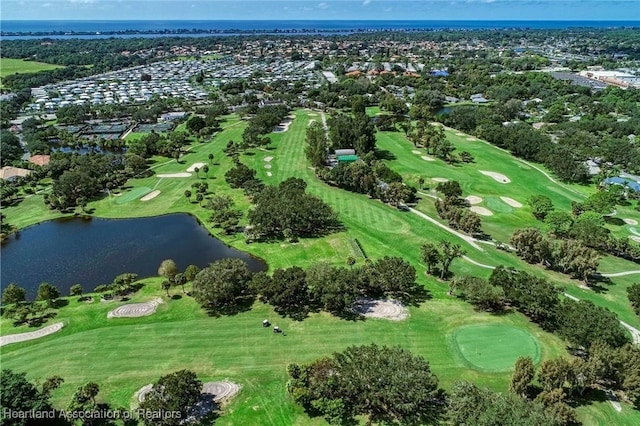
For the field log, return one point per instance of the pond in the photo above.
(91, 252)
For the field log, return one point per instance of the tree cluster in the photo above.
(385, 385)
(357, 132)
(263, 123)
(438, 258)
(287, 211)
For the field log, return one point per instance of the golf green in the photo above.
(133, 194)
(494, 347)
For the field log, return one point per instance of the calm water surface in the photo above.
(92, 252)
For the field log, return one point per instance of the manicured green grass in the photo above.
(10, 66)
(494, 347)
(131, 194)
(123, 355)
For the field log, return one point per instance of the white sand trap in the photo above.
(427, 158)
(220, 390)
(630, 221)
(415, 151)
(284, 126)
(473, 199)
(267, 166)
(134, 310)
(472, 139)
(269, 174)
(634, 238)
(142, 392)
(268, 159)
(498, 177)
(311, 114)
(511, 202)
(23, 337)
(192, 168)
(382, 308)
(174, 175)
(311, 122)
(459, 134)
(440, 179)
(481, 211)
(151, 195)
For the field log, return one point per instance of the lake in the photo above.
(91, 252)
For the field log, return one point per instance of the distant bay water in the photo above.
(97, 29)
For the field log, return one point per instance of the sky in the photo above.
(164, 10)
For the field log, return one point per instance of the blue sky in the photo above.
(320, 9)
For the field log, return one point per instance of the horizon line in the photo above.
(316, 20)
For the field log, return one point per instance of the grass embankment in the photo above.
(9, 66)
(122, 355)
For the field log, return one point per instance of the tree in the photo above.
(75, 290)
(13, 294)
(480, 293)
(471, 405)
(210, 157)
(386, 385)
(351, 261)
(450, 189)
(47, 293)
(172, 393)
(195, 124)
(554, 401)
(191, 272)
(450, 251)
(633, 293)
(430, 255)
(523, 374)
(288, 292)
(582, 323)
(559, 223)
(17, 394)
(421, 182)
(187, 194)
(555, 374)
(10, 148)
(531, 245)
(222, 287)
(168, 269)
(471, 223)
(181, 280)
(393, 277)
(205, 169)
(199, 198)
(166, 286)
(197, 170)
(541, 206)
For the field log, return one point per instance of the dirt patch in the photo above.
(192, 168)
(437, 179)
(511, 202)
(630, 221)
(174, 175)
(381, 308)
(427, 158)
(134, 310)
(473, 199)
(150, 195)
(481, 211)
(498, 177)
(23, 337)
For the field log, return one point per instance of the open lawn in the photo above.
(10, 66)
(122, 355)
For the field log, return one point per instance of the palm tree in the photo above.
(199, 197)
(166, 285)
(421, 182)
(196, 169)
(351, 261)
(187, 194)
(210, 156)
(205, 169)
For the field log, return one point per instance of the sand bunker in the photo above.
(459, 134)
(630, 221)
(472, 139)
(141, 394)
(498, 177)
(23, 337)
(174, 175)
(415, 151)
(150, 196)
(267, 166)
(427, 158)
(220, 390)
(383, 308)
(481, 211)
(192, 168)
(440, 179)
(134, 310)
(511, 202)
(473, 199)
(634, 238)
(284, 126)
(269, 174)
(311, 122)
(268, 159)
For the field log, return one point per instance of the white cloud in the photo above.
(366, 2)
(323, 5)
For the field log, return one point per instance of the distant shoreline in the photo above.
(59, 29)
